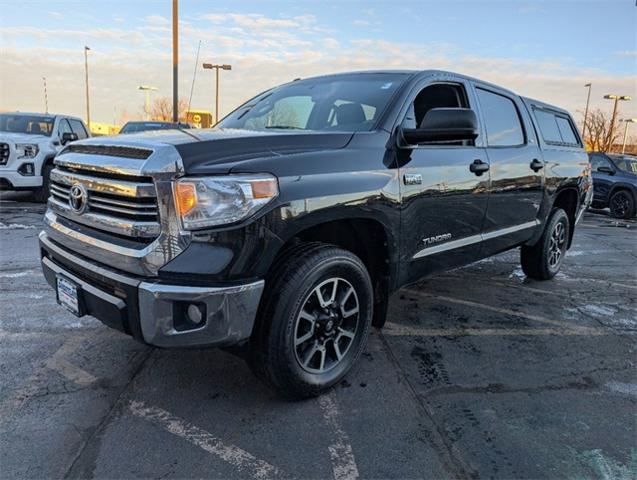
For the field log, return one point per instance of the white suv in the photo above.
(28, 144)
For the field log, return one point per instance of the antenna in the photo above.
(194, 75)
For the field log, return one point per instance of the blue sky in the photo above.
(547, 49)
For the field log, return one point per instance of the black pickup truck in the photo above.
(283, 231)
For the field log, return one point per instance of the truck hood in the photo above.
(23, 138)
(220, 150)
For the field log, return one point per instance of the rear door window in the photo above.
(556, 129)
(501, 119)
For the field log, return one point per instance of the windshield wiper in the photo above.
(284, 127)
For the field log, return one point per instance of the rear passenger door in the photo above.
(602, 180)
(516, 168)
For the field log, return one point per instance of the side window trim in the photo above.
(523, 127)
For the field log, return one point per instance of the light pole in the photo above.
(209, 66)
(88, 109)
(46, 98)
(175, 60)
(626, 122)
(588, 99)
(147, 89)
(616, 99)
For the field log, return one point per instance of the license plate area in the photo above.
(69, 295)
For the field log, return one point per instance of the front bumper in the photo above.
(154, 312)
(13, 179)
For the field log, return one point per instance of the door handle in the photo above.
(536, 165)
(479, 167)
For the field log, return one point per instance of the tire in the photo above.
(622, 204)
(302, 346)
(41, 194)
(543, 260)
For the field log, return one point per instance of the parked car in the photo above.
(28, 144)
(614, 183)
(283, 231)
(136, 127)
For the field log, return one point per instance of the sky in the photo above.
(543, 49)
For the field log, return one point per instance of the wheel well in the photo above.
(617, 189)
(567, 201)
(365, 238)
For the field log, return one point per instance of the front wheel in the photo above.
(41, 195)
(543, 260)
(622, 204)
(314, 322)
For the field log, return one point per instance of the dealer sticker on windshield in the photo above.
(68, 295)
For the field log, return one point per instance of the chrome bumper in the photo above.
(155, 310)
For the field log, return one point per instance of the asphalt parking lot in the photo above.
(479, 373)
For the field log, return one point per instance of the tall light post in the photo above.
(175, 60)
(588, 99)
(616, 99)
(626, 122)
(209, 66)
(88, 109)
(147, 89)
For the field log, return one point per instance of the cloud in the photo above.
(264, 51)
(627, 53)
(361, 23)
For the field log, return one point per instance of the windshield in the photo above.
(627, 164)
(342, 104)
(29, 124)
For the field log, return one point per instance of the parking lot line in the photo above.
(341, 454)
(245, 462)
(396, 330)
(59, 362)
(504, 311)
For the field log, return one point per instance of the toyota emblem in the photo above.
(78, 198)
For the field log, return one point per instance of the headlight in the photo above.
(27, 150)
(209, 201)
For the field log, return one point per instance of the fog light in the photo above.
(27, 169)
(195, 315)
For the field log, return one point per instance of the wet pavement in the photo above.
(480, 372)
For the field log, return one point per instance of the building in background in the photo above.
(99, 129)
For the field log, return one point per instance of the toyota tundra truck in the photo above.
(282, 232)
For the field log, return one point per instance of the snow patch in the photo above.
(517, 273)
(15, 226)
(599, 310)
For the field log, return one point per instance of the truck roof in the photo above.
(40, 114)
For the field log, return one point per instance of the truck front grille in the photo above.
(4, 153)
(117, 204)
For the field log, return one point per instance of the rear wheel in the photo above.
(42, 194)
(622, 204)
(315, 320)
(543, 260)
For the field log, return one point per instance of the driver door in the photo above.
(443, 201)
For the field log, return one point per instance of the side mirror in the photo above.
(608, 170)
(68, 137)
(444, 125)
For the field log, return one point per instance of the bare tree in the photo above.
(162, 109)
(598, 130)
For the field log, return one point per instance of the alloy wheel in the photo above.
(556, 245)
(619, 204)
(326, 326)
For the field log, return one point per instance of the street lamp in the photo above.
(209, 66)
(588, 99)
(615, 98)
(147, 89)
(88, 110)
(626, 122)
